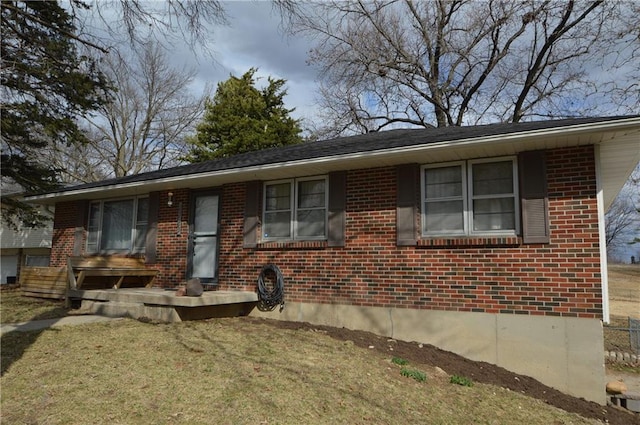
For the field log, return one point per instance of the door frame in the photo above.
(190, 237)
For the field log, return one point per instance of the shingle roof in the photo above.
(347, 145)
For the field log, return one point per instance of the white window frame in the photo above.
(463, 168)
(468, 198)
(514, 194)
(135, 222)
(293, 208)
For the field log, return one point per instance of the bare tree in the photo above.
(144, 125)
(460, 62)
(112, 22)
(76, 163)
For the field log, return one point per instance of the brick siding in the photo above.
(493, 275)
(64, 223)
(171, 246)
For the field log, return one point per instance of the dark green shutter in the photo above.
(251, 214)
(337, 204)
(150, 251)
(534, 199)
(407, 184)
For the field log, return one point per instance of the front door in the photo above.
(203, 237)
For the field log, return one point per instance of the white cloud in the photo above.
(254, 38)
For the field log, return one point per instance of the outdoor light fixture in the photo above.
(169, 199)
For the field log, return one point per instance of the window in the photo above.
(295, 209)
(493, 196)
(444, 200)
(37, 261)
(470, 198)
(118, 225)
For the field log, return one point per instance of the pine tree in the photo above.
(241, 118)
(46, 85)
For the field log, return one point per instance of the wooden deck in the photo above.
(111, 269)
(162, 305)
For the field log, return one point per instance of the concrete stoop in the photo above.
(164, 306)
(133, 310)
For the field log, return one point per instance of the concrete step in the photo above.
(629, 401)
(158, 296)
(133, 310)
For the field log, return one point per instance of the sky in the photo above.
(254, 38)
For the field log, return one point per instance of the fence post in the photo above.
(634, 334)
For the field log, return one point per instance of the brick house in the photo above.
(486, 241)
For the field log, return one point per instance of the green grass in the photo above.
(232, 371)
(461, 380)
(399, 361)
(414, 373)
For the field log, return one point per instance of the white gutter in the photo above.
(604, 273)
(459, 143)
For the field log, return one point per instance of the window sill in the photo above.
(465, 241)
(293, 245)
(123, 254)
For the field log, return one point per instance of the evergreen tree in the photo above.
(241, 118)
(46, 85)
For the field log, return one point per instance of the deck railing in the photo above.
(44, 282)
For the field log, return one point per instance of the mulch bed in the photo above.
(485, 373)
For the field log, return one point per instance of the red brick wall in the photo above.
(481, 275)
(171, 242)
(171, 245)
(64, 223)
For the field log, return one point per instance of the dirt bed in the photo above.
(478, 371)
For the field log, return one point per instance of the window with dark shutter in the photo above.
(534, 198)
(295, 209)
(470, 198)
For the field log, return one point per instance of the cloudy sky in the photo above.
(253, 38)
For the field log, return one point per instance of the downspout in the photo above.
(603, 238)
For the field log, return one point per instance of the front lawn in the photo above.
(236, 371)
(15, 308)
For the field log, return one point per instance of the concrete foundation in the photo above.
(562, 352)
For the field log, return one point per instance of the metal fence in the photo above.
(634, 334)
(632, 331)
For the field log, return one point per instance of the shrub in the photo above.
(415, 374)
(399, 361)
(461, 380)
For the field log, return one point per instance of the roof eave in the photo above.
(501, 144)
